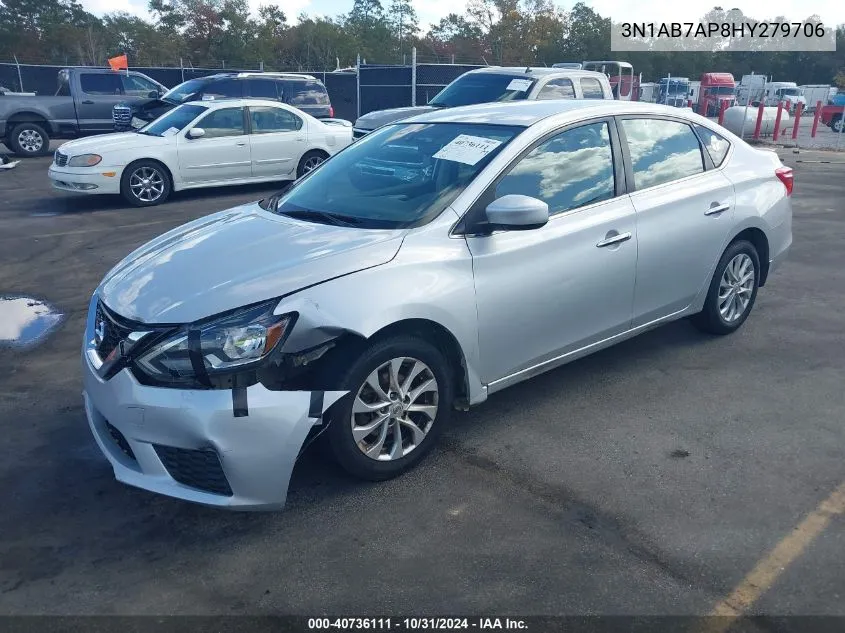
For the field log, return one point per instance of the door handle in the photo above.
(241, 144)
(88, 102)
(614, 239)
(716, 208)
(300, 138)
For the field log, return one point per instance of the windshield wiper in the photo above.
(145, 133)
(438, 105)
(330, 218)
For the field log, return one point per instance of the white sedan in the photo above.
(200, 144)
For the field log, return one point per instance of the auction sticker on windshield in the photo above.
(467, 149)
(520, 85)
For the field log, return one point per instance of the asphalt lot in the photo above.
(647, 479)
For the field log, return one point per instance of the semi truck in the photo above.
(814, 93)
(673, 91)
(717, 89)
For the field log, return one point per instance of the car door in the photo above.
(98, 94)
(277, 139)
(222, 153)
(684, 213)
(545, 292)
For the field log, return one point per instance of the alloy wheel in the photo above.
(146, 184)
(394, 409)
(31, 141)
(311, 164)
(736, 287)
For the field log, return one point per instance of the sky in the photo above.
(430, 11)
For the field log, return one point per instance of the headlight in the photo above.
(137, 123)
(231, 342)
(85, 160)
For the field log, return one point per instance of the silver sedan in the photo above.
(434, 262)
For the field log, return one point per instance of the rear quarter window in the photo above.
(306, 93)
(714, 144)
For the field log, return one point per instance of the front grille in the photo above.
(113, 331)
(120, 440)
(61, 159)
(199, 469)
(121, 114)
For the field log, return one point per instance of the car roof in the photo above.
(238, 102)
(527, 113)
(256, 74)
(532, 71)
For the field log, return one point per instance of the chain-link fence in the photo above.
(353, 92)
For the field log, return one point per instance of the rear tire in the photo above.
(416, 404)
(836, 123)
(29, 140)
(733, 290)
(145, 183)
(309, 162)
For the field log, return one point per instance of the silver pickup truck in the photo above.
(81, 105)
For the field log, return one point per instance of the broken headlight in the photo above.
(225, 344)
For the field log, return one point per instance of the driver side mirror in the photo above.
(154, 94)
(196, 132)
(517, 213)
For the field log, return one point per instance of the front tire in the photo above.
(733, 290)
(401, 393)
(29, 140)
(145, 183)
(836, 124)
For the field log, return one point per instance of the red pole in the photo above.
(816, 119)
(759, 121)
(777, 121)
(722, 111)
(798, 110)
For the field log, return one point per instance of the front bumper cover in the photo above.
(253, 453)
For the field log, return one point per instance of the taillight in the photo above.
(331, 112)
(786, 177)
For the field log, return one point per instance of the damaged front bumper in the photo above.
(209, 446)
(189, 444)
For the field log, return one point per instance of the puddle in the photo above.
(25, 321)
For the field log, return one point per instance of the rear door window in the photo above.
(263, 89)
(101, 84)
(557, 89)
(266, 120)
(591, 88)
(662, 151)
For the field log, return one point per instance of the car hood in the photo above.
(235, 258)
(382, 117)
(106, 142)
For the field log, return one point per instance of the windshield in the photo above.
(475, 88)
(676, 89)
(184, 91)
(174, 120)
(720, 90)
(789, 92)
(400, 176)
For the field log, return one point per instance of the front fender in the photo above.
(430, 278)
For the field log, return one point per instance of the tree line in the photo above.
(223, 33)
